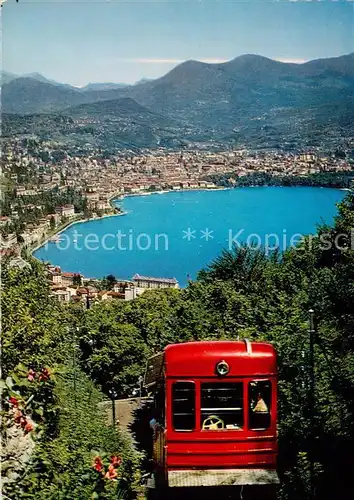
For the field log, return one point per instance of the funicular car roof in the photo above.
(154, 370)
(199, 359)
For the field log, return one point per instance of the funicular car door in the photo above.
(154, 382)
(159, 446)
(159, 431)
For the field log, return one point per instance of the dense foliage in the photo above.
(321, 179)
(32, 323)
(31, 209)
(55, 439)
(65, 465)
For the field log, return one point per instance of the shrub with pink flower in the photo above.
(31, 375)
(98, 464)
(111, 472)
(116, 461)
(44, 375)
(28, 427)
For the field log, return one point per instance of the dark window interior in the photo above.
(159, 405)
(221, 405)
(183, 409)
(259, 397)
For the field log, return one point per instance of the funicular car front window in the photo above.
(259, 397)
(221, 406)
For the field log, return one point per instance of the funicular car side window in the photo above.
(221, 405)
(159, 404)
(259, 398)
(183, 406)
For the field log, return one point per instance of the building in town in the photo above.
(152, 282)
(66, 210)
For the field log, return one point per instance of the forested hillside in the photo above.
(250, 100)
(241, 294)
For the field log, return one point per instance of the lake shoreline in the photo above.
(70, 224)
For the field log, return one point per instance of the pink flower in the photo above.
(18, 417)
(98, 464)
(116, 461)
(29, 427)
(44, 375)
(31, 375)
(23, 422)
(13, 401)
(111, 473)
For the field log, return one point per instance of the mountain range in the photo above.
(247, 96)
(7, 77)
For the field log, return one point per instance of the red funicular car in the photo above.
(215, 414)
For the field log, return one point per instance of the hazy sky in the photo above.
(85, 41)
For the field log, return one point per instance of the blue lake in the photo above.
(177, 234)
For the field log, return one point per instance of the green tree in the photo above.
(52, 223)
(33, 324)
(113, 350)
(110, 280)
(77, 280)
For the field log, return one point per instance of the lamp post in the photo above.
(312, 397)
(75, 346)
(74, 360)
(87, 298)
(113, 395)
(91, 344)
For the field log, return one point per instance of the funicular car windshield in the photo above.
(221, 405)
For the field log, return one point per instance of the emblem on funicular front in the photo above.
(222, 368)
